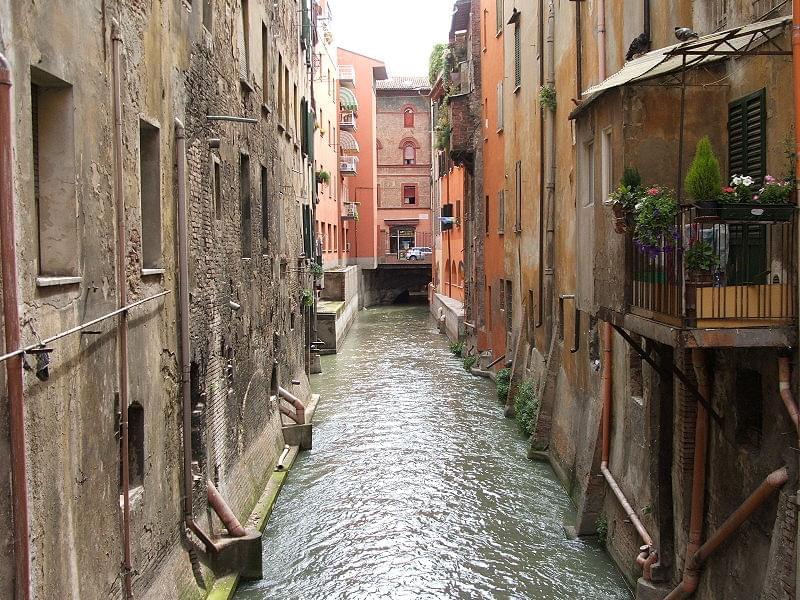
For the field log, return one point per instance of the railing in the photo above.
(347, 75)
(348, 121)
(350, 211)
(753, 284)
(394, 249)
(348, 165)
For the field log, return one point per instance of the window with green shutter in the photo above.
(747, 136)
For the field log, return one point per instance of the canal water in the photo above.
(417, 487)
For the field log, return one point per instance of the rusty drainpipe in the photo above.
(299, 416)
(601, 39)
(691, 576)
(14, 383)
(223, 511)
(647, 553)
(694, 562)
(183, 299)
(122, 300)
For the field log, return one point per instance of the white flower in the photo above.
(748, 181)
(638, 206)
(736, 180)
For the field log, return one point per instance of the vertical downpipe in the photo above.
(122, 300)
(601, 39)
(14, 383)
(186, 368)
(550, 173)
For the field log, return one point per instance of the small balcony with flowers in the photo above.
(717, 270)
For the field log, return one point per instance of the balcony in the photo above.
(348, 166)
(347, 76)
(347, 121)
(350, 212)
(751, 284)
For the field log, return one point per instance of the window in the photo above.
(217, 187)
(264, 210)
(501, 212)
(408, 117)
(295, 109)
(485, 37)
(458, 213)
(52, 128)
(135, 444)
(264, 64)
(150, 194)
(588, 174)
(606, 163)
(409, 154)
(486, 215)
(509, 298)
(499, 16)
(244, 195)
(285, 107)
(244, 41)
(409, 194)
(719, 13)
(330, 85)
(517, 57)
(335, 239)
(747, 119)
(489, 308)
(208, 14)
(518, 196)
(500, 115)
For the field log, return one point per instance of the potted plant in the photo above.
(701, 261)
(307, 298)
(323, 177)
(743, 200)
(623, 200)
(656, 212)
(319, 275)
(704, 181)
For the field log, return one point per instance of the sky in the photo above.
(401, 34)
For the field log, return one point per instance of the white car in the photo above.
(418, 253)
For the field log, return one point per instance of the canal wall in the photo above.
(338, 307)
(449, 314)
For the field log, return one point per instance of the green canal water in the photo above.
(417, 487)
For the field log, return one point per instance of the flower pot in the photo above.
(620, 218)
(707, 208)
(753, 211)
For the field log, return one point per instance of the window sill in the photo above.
(499, 131)
(266, 109)
(501, 232)
(247, 85)
(59, 280)
(247, 258)
(147, 272)
(498, 34)
(281, 128)
(517, 89)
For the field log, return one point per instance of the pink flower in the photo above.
(653, 192)
(729, 190)
(769, 179)
(756, 197)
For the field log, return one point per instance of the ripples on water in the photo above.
(418, 488)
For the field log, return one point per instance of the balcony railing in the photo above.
(396, 248)
(347, 75)
(347, 120)
(348, 166)
(350, 211)
(754, 282)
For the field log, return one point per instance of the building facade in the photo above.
(90, 196)
(404, 165)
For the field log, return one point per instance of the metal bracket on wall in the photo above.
(690, 387)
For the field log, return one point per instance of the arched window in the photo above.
(408, 117)
(409, 154)
(460, 274)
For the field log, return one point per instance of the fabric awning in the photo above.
(347, 99)
(348, 143)
(710, 48)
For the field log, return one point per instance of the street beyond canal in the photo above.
(417, 487)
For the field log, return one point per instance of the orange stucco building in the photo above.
(492, 332)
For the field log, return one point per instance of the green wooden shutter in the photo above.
(747, 136)
(747, 258)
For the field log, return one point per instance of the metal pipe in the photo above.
(578, 52)
(796, 83)
(248, 120)
(280, 466)
(785, 385)
(299, 407)
(122, 301)
(14, 381)
(550, 176)
(694, 563)
(223, 511)
(606, 384)
(183, 300)
(691, 576)
(601, 39)
(77, 328)
(494, 362)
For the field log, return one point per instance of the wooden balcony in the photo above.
(748, 299)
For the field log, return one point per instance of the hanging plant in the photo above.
(323, 177)
(656, 229)
(307, 298)
(316, 269)
(547, 97)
